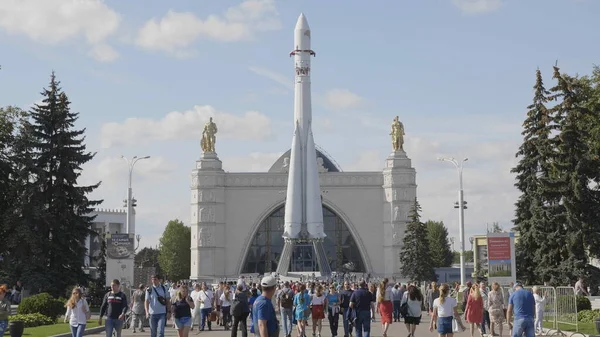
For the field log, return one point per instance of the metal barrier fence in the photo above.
(549, 312)
(566, 307)
(560, 305)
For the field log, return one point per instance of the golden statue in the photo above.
(209, 137)
(397, 135)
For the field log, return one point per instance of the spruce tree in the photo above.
(565, 253)
(439, 245)
(415, 257)
(58, 154)
(531, 173)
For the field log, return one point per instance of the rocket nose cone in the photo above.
(302, 23)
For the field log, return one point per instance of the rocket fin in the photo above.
(293, 201)
(314, 204)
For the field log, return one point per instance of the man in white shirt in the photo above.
(207, 302)
(195, 295)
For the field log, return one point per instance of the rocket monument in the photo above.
(303, 204)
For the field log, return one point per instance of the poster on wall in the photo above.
(119, 246)
(501, 258)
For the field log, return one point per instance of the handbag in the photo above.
(161, 299)
(404, 309)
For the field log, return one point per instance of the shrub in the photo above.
(32, 320)
(43, 304)
(588, 316)
(583, 303)
(566, 303)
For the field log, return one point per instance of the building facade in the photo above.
(237, 218)
(109, 221)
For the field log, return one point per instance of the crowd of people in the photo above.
(275, 308)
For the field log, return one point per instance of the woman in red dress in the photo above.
(474, 310)
(385, 307)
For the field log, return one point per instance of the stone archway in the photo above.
(266, 244)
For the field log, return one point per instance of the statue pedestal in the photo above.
(398, 159)
(209, 161)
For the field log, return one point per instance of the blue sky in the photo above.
(145, 76)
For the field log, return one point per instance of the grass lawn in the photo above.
(585, 328)
(51, 330)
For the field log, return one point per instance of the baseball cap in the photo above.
(268, 281)
(518, 284)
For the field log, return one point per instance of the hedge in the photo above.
(43, 304)
(32, 320)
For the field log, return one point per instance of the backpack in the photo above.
(287, 299)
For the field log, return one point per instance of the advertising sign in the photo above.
(501, 258)
(120, 246)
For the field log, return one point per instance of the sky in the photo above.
(145, 75)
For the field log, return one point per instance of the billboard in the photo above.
(501, 258)
(120, 246)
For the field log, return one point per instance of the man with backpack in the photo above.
(285, 301)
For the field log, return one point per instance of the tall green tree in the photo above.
(496, 228)
(439, 244)
(11, 123)
(573, 213)
(415, 257)
(174, 251)
(59, 151)
(532, 175)
(148, 257)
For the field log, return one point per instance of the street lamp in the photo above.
(130, 165)
(461, 213)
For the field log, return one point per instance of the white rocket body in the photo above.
(303, 205)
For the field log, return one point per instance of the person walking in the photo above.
(384, 305)
(360, 302)
(445, 310)
(285, 302)
(522, 304)
(207, 303)
(397, 293)
(301, 309)
(5, 309)
(333, 310)
(114, 306)
(496, 308)
(78, 312)
(318, 304)
(240, 309)
(183, 305)
(345, 307)
(263, 313)
(137, 308)
(474, 310)
(414, 300)
(157, 307)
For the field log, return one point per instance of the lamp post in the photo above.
(130, 165)
(461, 213)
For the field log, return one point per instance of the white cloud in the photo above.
(285, 81)
(57, 21)
(176, 32)
(477, 6)
(187, 125)
(112, 171)
(103, 53)
(342, 99)
(254, 162)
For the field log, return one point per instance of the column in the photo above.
(208, 219)
(400, 190)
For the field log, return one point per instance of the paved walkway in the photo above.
(395, 330)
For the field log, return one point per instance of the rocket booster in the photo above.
(303, 205)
